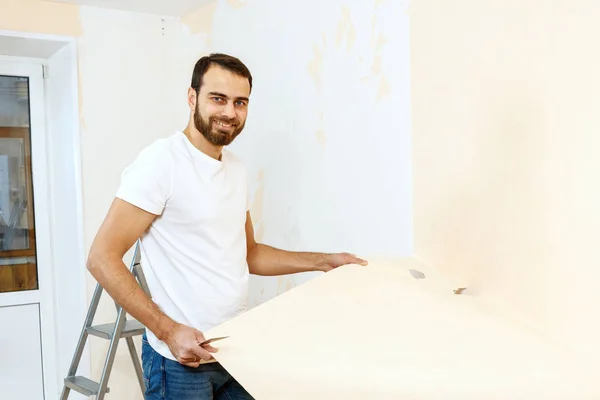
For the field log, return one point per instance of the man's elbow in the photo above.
(91, 263)
(252, 259)
(94, 262)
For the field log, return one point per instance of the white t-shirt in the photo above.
(194, 254)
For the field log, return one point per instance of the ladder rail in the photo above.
(112, 352)
(136, 363)
(135, 269)
(83, 336)
(99, 389)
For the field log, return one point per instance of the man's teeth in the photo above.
(223, 124)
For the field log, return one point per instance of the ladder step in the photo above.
(83, 385)
(131, 328)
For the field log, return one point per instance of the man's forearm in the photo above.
(112, 274)
(268, 261)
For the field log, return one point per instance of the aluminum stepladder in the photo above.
(113, 332)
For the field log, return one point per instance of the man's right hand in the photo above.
(184, 343)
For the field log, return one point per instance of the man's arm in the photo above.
(268, 261)
(123, 225)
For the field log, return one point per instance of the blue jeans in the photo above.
(166, 379)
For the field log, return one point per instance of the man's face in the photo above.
(222, 106)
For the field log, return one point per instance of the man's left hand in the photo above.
(335, 260)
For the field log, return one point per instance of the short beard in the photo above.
(215, 136)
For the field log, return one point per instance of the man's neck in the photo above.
(200, 142)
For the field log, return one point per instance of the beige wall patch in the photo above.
(237, 4)
(384, 88)
(315, 66)
(345, 30)
(40, 17)
(201, 20)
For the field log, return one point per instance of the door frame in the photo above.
(58, 176)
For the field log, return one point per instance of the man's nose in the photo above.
(228, 110)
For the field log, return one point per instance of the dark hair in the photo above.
(224, 61)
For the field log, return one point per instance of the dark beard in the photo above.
(215, 136)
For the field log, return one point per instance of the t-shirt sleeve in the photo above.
(146, 183)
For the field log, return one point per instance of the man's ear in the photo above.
(192, 97)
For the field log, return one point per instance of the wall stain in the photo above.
(315, 66)
(280, 284)
(237, 4)
(345, 30)
(284, 283)
(384, 89)
(321, 138)
(373, 26)
(380, 42)
(289, 285)
(376, 68)
(201, 20)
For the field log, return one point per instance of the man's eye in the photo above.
(240, 103)
(218, 99)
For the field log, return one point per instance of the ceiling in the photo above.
(175, 8)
